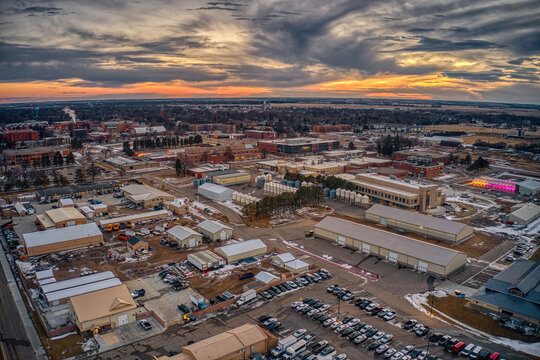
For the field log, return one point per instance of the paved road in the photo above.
(13, 337)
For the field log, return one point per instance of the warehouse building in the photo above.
(429, 226)
(215, 192)
(184, 236)
(215, 230)
(114, 308)
(524, 214)
(235, 178)
(59, 218)
(66, 202)
(425, 257)
(54, 240)
(528, 187)
(205, 260)
(242, 250)
(158, 214)
(145, 196)
(403, 194)
(179, 207)
(513, 294)
(58, 292)
(235, 344)
(281, 259)
(296, 266)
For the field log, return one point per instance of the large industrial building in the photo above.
(429, 226)
(297, 145)
(54, 240)
(215, 192)
(235, 344)
(407, 195)
(524, 213)
(205, 260)
(146, 196)
(59, 218)
(425, 257)
(242, 250)
(513, 294)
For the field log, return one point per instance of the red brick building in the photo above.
(20, 135)
(426, 171)
(29, 155)
(261, 134)
(218, 154)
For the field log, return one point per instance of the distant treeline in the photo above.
(450, 133)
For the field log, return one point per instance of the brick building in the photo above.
(261, 134)
(20, 135)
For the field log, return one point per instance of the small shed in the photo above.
(20, 209)
(215, 230)
(296, 266)
(135, 244)
(215, 192)
(87, 211)
(281, 259)
(66, 202)
(179, 207)
(99, 208)
(266, 278)
(184, 236)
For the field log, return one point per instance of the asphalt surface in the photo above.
(15, 342)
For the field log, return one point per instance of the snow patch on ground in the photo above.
(26, 267)
(90, 345)
(64, 335)
(235, 207)
(518, 232)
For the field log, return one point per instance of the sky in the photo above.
(426, 49)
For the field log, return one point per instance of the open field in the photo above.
(472, 129)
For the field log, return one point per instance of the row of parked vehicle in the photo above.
(454, 345)
(300, 345)
(520, 250)
(12, 238)
(299, 282)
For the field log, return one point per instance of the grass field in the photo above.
(459, 309)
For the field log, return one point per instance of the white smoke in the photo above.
(71, 114)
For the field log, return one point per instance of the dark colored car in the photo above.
(263, 318)
(450, 344)
(354, 335)
(409, 324)
(274, 326)
(371, 332)
(374, 345)
(347, 332)
(434, 338)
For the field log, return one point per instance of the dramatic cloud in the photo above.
(440, 49)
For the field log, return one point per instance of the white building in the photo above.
(215, 192)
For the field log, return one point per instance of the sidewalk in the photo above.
(21, 308)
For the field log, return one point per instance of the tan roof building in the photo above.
(114, 308)
(145, 195)
(61, 217)
(235, 344)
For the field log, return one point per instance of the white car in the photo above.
(371, 307)
(292, 284)
(378, 335)
(366, 328)
(301, 306)
(336, 324)
(324, 307)
(389, 316)
(295, 304)
(397, 356)
(340, 357)
(299, 333)
(386, 338)
(422, 355)
(327, 322)
(269, 321)
(353, 322)
(340, 328)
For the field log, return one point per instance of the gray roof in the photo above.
(44, 274)
(527, 212)
(285, 257)
(242, 247)
(217, 189)
(266, 277)
(212, 226)
(508, 302)
(296, 264)
(530, 184)
(523, 275)
(71, 283)
(182, 232)
(83, 289)
(53, 236)
(409, 217)
(421, 250)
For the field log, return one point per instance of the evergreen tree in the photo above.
(80, 177)
(45, 160)
(70, 159)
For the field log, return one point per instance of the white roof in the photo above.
(179, 202)
(86, 209)
(65, 202)
(98, 206)
(44, 274)
(19, 207)
(529, 184)
(135, 217)
(242, 247)
(296, 264)
(46, 281)
(53, 236)
(83, 289)
(182, 232)
(266, 277)
(217, 189)
(82, 280)
(212, 226)
(527, 212)
(147, 129)
(285, 257)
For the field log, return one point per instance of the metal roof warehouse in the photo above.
(242, 250)
(395, 248)
(71, 237)
(429, 226)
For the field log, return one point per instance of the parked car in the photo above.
(381, 349)
(409, 324)
(389, 316)
(374, 345)
(360, 339)
(387, 338)
(145, 324)
(388, 353)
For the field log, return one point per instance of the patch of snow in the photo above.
(235, 207)
(327, 257)
(26, 267)
(63, 336)
(90, 345)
